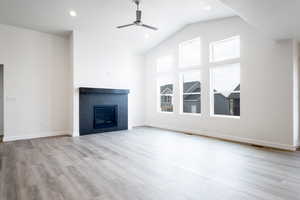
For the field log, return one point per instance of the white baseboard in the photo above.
(233, 138)
(75, 134)
(8, 138)
(298, 147)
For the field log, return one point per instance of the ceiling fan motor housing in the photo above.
(138, 16)
(137, 2)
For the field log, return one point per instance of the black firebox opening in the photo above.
(105, 116)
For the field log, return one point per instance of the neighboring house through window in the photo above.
(164, 65)
(166, 97)
(189, 63)
(191, 92)
(224, 70)
(225, 78)
(227, 105)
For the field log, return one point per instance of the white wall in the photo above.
(103, 61)
(37, 83)
(296, 102)
(298, 138)
(1, 100)
(296, 52)
(266, 87)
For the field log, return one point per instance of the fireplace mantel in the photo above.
(102, 91)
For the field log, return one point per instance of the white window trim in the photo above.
(211, 50)
(191, 114)
(181, 93)
(212, 92)
(226, 116)
(190, 68)
(159, 95)
(191, 93)
(165, 112)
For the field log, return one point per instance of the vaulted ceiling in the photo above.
(103, 16)
(278, 18)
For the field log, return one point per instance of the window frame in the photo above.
(211, 49)
(174, 75)
(181, 76)
(159, 95)
(212, 92)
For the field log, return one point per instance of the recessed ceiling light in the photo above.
(73, 13)
(207, 8)
(147, 35)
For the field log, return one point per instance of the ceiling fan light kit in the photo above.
(138, 21)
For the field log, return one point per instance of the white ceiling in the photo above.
(103, 16)
(278, 18)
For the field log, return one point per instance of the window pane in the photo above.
(227, 105)
(166, 104)
(191, 98)
(192, 103)
(166, 90)
(191, 82)
(190, 53)
(226, 89)
(225, 49)
(164, 64)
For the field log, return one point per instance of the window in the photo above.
(166, 90)
(164, 64)
(226, 90)
(190, 53)
(191, 92)
(225, 49)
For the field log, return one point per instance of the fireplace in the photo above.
(102, 110)
(105, 116)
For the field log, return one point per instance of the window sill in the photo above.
(226, 116)
(191, 114)
(162, 112)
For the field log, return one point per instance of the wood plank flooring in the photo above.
(145, 164)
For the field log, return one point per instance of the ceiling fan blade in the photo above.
(151, 27)
(124, 26)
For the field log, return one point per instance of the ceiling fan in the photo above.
(138, 21)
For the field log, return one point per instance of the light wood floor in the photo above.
(145, 164)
